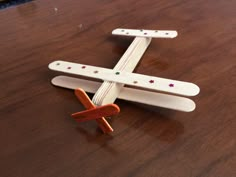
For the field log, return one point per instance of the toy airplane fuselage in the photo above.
(115, 79)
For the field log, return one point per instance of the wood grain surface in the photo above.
(38, 138)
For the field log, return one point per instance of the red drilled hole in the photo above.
(151, 81)
(171, 85)
(83, 67)
(145, 33)
(69, 67)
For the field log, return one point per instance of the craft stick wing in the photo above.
(130, 94)
(133, 79)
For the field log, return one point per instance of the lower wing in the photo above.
(130, 94)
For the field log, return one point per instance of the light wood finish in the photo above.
(131, 79)
(145, 33)
(109, 91)
(40, 139)
(136, 95)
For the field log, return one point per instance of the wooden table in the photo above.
(38, 136)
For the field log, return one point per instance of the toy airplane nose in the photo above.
(95, 112)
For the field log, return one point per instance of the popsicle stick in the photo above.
(133, 79)
(100, 111)
(130, 94)
(145, 33)
(88, 104)
(109, 91)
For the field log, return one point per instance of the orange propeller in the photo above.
(95, 112)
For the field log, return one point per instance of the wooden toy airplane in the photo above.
(115, 79)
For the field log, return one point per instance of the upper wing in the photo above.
(134, 79)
